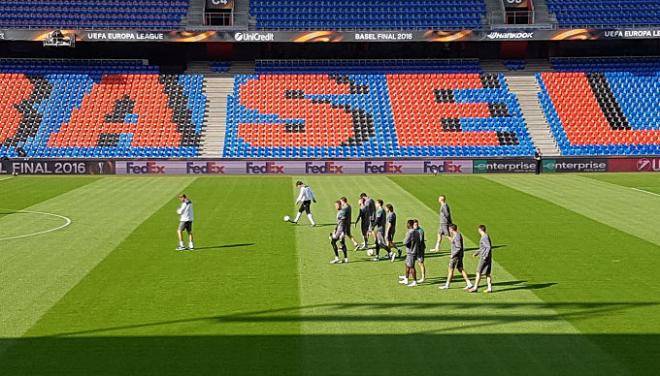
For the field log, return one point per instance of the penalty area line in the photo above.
(67, 222)
(641, 190)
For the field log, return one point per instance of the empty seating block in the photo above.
(374, 115)
(606, 13)
(368, 14)
(368, 66)
(93, 14)
(220, 66)
(101, 113)
(608, 112)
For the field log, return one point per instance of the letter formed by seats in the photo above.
(122, 104)
(303, 122)
(15, 107)
(426, 112)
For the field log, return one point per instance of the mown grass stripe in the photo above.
(39, 271)
(614, 205)
(24, 191)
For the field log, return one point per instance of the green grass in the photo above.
(108, 295)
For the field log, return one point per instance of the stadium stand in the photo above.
(111, 110)
(368, 66)
(220, 66)
(94, 14)
(293, 115)
(368, 14)
(606, 13)
(603, 106)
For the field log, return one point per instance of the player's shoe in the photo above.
(375, 258)
(180, 248)
(336, 261)
(488, 291)
(392, 256)
(421, 281)
(345, 261)
(444, 287)
(191, 247)
(412, 284)
(473, 290)
(467, 287)
(404, 281)
(402, 277)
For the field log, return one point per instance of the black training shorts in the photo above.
(305, 207)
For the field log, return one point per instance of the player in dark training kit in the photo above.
(456, 260)
(412, 242)
(485, 254)
(390, 229)
(445, 222)
(379, 231)
(367, 217)
(339, 235)
(421, 251)
(348, 215)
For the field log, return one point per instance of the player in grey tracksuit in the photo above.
(485, 254)
(445, 221)
(379, 232)
(412, 241)
(370, 212)
(364, 217)
(339, 234)
(348, 216)
(456, 260)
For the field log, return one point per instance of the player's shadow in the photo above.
(325, 224)
(221, 246)
(493, 247)
(521, 285)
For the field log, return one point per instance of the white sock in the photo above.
(297, 218)
(190, 245)
(311, 219)
(181, 244)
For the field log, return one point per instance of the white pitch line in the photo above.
(641, 190)
(67, 221)
(7, 178)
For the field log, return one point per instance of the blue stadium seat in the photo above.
(93, 14)
(368, 14)
(606, 13)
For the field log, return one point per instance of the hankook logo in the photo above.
(521, 35)
(254, 37)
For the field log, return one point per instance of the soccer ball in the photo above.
(370, 252)
(287, 218)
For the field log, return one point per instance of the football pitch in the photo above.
(576, 284)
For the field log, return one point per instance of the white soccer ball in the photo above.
(370, 252)
(287, 218)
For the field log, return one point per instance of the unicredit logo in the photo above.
(254, 37)
(648, 164)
